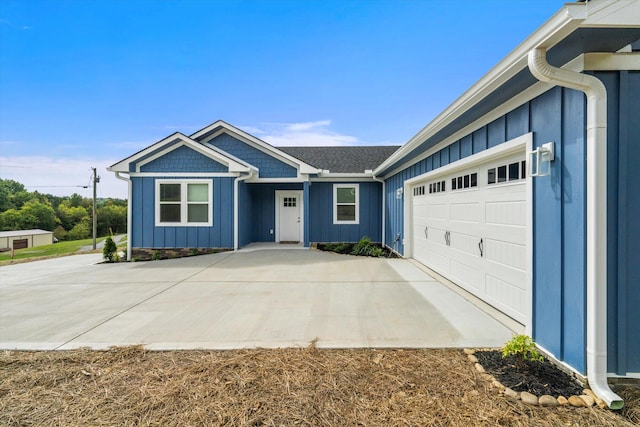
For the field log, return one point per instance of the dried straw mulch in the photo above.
(131, 386)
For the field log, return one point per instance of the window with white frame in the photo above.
(345, 204)
(183, 203)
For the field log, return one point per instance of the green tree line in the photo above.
(69, 217)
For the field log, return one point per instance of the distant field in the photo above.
(46, 251)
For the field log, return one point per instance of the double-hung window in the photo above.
(183, 203)
(345, 204)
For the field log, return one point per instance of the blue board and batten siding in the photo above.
(145, 234)
(559, 216)
(623, 228)
(557, 115)
(260, 219)
(269, 166)
(321, 226)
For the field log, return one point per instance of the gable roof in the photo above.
(207, 133)
(170, 143)
(341, 159)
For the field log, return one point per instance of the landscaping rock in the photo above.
(562, 400)
(588, 400)
(601, 403)
(468, 351)
(548, 401)
(528, 398)
(497, 384)
(472, 358)
(589, 392)
(511, 393)
(577, 402)
(479, 368)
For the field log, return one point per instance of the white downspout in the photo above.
(384, 217)
(235, 207)
(596, 94)
(128, 213)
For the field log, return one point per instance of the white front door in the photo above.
(288, 216)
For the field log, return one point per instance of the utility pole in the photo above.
(96, 179)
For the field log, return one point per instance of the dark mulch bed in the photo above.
(538, 378)
(347, 248)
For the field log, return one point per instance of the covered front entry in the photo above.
(289, 218)
(470, 225)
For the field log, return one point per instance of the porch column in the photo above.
(305, 214)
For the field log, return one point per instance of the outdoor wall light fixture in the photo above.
(540, 160)
(399, 192)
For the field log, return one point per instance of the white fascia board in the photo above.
(512, 146)
(343, 178)
(563, 23)
(182, 140)
(254, 142)
(612, 13)
(254, 180)
(205, 151)
(123, 165)
(232, 157)
(183, 174)
(515, 102)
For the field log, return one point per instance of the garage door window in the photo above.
(345, 204)
(505, 173)
(464, 181)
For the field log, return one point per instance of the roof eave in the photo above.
(303, 167)
(561, 24)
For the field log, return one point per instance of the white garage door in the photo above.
(471, 227)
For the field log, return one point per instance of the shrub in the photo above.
(523, 348)
(155, 256)
(364, 247)
(342, 248)
(110, 250)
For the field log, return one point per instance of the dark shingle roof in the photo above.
(339, 159)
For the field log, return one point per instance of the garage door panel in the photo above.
(466, 276)
(459, 219)
(506, 213)
(438, 211)
(506, 297)
(506, 253)
(465, 212)
(465, 243)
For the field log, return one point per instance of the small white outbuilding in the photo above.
(20, 239)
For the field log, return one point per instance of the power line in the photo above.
(56, 186)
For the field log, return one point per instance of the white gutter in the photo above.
(384, 231)
(561, 24)
(129, 238)
(596, 94)
(235, 206)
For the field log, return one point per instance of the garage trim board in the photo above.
(451, 226)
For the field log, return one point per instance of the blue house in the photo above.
(223, 188)
(521, 193)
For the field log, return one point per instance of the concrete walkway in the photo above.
(251, 298)
(99, 245)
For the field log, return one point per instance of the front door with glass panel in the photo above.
(288, 216)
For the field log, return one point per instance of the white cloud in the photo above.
(316, 133)
(62, 177)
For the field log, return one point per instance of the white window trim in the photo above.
(183, 203)
(335, 203)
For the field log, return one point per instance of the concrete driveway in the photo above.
(259, 298)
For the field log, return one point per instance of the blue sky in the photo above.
(87, 83)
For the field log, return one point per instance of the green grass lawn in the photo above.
(47, 251)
